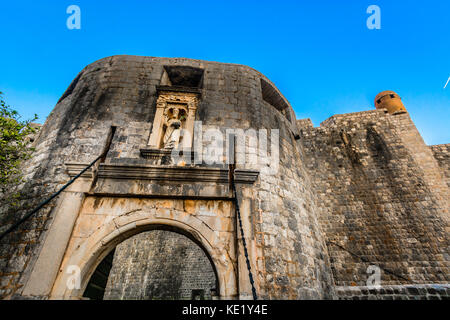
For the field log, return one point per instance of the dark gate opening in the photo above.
(95, 289)
(160, 264)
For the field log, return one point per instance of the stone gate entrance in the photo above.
(108, 223)
(154, 265)
(91, 222)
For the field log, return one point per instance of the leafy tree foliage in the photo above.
(15, 145)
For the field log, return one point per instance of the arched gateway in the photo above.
(124, 218)
(90, 223)
(161, 264)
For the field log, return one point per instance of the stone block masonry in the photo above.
(159, 265)
(442, 154)
(365, 181)
(395, 292)
(383, 197)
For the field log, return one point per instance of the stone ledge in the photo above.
(155, 153)
(75, 168)
(164, 173)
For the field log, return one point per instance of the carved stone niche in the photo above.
(173, 125)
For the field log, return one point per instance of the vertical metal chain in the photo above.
(238, 213)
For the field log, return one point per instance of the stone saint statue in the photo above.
(172, 135)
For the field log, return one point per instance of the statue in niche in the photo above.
(174, 118)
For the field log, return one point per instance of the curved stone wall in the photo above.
(287, 249)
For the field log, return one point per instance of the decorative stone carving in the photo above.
(172, 128)
(173, 125)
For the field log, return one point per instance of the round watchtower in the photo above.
(391, 101)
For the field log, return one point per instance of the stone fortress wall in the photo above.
(442, 154)
(384, 198)
(365, 181)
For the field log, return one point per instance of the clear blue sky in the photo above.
(320, 54)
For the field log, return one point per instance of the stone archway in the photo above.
(160, 264)
(212, 229)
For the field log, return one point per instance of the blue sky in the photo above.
(320, 54)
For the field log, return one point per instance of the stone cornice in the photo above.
(75, 168)
(178, 89)
(155, 153)
(164, 173)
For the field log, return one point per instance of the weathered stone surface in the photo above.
(159, 265)
(396, 292)
(365, 181)
(383, 198)
(442, 154)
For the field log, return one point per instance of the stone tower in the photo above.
(319, 205)
(391, 101)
